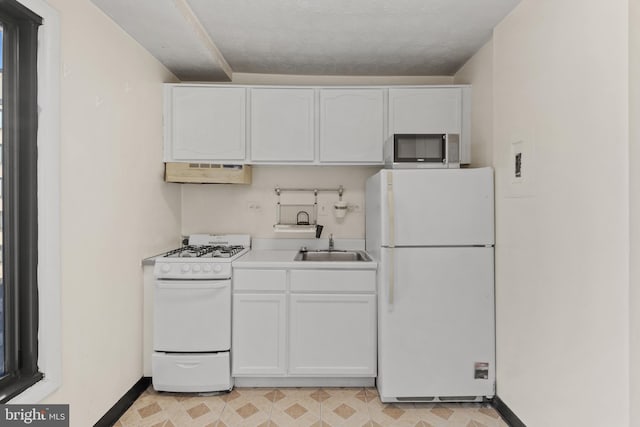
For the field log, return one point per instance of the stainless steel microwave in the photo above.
(422, 150)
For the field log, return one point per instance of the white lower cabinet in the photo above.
(332, 335)
(304, 323)
(259, 334)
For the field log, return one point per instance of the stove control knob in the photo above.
(207, 268)
(185, 268)
(217, 268)
(166, 268)
(196, 268)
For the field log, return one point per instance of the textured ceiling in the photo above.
(169, 31)
(319, 37)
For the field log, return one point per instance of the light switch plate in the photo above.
(519, 159)
(521, 169)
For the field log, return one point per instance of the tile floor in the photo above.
(316, 407)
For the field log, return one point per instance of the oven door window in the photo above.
(427, 148)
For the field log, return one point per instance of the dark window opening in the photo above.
(18, 199)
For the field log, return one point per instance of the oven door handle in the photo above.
(193, 284)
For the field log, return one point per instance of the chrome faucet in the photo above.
(330, 242)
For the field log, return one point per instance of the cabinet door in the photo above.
(205, 123)
(259, 335)
(351, 125)
(332, 335)
(282, 125)
(425, 110)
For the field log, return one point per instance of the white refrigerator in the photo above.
(432, 233)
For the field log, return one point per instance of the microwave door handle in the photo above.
(391, 211)
(445, 142)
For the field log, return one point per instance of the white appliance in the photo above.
(422, 151)
(192, 314)
(432, 232)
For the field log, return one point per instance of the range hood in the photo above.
(206, 173)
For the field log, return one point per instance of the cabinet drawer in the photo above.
(333, 281)
(259, 280)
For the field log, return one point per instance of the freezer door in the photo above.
(442, 207)
(437, 338)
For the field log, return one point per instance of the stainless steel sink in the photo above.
(334, 255)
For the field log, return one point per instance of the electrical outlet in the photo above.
(253, 206)
(323, 210)
(355, 208)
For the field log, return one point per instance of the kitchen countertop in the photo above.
(152, 259)
(284, 259)
(279, 253)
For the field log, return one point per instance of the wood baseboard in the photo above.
(121, 406)
(506, 413)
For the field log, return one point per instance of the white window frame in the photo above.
(49, 303)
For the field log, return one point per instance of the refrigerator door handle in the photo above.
(391, 210)
(391, 228)
(391, 280)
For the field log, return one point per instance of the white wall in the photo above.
(634, 195)
(562, 235)
(479, 71)
(115, 208)
(224, 208)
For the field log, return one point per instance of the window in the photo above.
(19, 203)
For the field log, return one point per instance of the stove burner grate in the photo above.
(191, 251)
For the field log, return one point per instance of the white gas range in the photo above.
(205, 256)
(192, 314)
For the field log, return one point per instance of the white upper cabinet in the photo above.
(432, 110)
(282, 125)
(425, 110)
(351, 125)
(306, 125)
(204, 123)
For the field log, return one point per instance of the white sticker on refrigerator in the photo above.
(481, 371)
